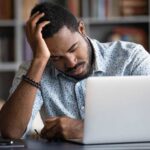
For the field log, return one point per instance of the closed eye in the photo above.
(55, 58)
(73, 49)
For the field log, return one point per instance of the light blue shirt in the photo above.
(61, 95)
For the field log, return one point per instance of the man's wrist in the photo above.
(36, 69)
(41, 62)
(31, 81)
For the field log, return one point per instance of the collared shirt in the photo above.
(61, 95)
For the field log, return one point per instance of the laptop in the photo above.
(117, 110)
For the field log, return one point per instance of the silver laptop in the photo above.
(117, 109)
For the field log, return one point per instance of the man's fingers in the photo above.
(49, 133)
(41, 25)
(51, 128)
(37, 18)
(34, 15)
(32, 22)
(49, 124)
(51, 119)
(32, 28)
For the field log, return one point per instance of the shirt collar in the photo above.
(53, 71)
(98, 65)
(56, 72)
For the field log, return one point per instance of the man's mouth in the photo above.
(77, 70)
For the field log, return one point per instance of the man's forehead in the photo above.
(59, 45)
(57, 52)
(62, 52)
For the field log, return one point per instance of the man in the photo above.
(54, 81)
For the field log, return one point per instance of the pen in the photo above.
(37, 133)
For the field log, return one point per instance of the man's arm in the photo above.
(16, 112)
(140, 64)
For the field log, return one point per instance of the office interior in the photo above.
(105, 20)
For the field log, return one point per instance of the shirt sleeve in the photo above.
(140, 64)
(38, 99)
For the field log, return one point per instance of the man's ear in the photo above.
(81, 28)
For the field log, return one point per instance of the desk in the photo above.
(44, 145)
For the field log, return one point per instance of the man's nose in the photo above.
(71, 61)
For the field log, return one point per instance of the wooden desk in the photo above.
(44, 145)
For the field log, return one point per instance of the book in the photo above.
(101, 9)
(112, 8)
(74, 7)
(131, 3)
(6, 45)
(27, 7)
(137, 11)
(6, 9)
(131, 34)
(93, 8)
(132, 8)
(97, 9)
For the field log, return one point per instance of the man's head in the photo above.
(65, 37)
(58, 16)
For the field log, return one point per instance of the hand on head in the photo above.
(34, 36)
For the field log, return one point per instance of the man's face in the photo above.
(70, 53)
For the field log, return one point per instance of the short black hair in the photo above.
(58, 17)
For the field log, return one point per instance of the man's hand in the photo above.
(62, 127)
(34, 36)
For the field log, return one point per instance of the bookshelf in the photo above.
(10, 55)
(102, 18)
(118, 15)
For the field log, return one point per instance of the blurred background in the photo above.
(105, 20)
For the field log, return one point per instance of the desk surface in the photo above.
(44, 145)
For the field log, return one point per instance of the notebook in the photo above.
(117, 110)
